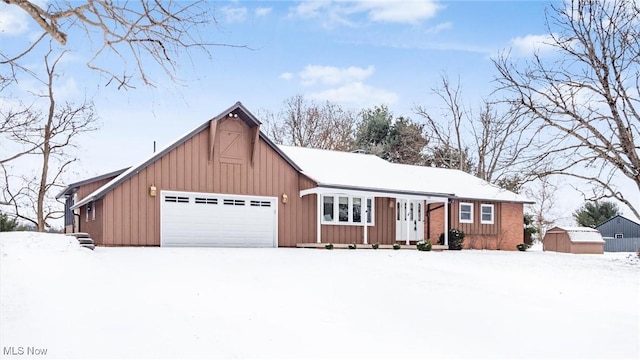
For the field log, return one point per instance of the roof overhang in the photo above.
(369, 192)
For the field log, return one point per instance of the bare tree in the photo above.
(309, 124)
(586, 97)
(132, 32)
(544, 195)
(494, 145)
(50, 135)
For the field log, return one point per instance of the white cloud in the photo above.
(399, 11)
(234, 14)
(286, 76)
(262, 11)
(356, 94)
(439, 27)
(332, 75)
(13, 20)
(530, 44)
(334, 12)
(309, 9)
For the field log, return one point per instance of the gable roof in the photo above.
(72, 188)
(238, 109)
(615, 217)
(365, 172)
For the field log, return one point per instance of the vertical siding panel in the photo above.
(135, 213)
(141, 215)
(180, 167)
(204, 167)
(186, 160)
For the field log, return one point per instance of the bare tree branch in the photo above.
(589, 97)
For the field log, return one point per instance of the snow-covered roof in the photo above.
(581, 234)
(368, 172)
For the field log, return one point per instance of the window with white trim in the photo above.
(466, 212)
(486, 214)
(346, 210)
(618, 236)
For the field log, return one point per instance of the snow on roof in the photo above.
(364, 171)
(581, 234)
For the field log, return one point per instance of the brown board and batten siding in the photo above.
(383, 231)
(132, 216)
(476, 227)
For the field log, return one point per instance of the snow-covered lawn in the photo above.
(305, 303)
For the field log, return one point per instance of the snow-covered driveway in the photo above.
(305, 303)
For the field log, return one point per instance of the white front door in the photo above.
(409, 220)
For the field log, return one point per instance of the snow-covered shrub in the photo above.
(424, 245)
(352, 246)
(375, 246)
(396, 246)
(522, 247)
(329, 246)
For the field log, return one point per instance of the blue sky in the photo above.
(356, 53)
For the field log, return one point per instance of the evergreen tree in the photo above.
(593, 213)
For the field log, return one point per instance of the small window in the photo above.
(211, 201)
(419, 211)
(486, 213)
(343, 209)
(233, 202)
(356, 210)
(327, 208)
(93, 212)
(466, 212)
(88, 210)
(411, 212)
(618, 236)
(369, 210)
(398, 210)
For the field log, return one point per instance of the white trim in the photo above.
(371, 194)
(446, 222)
(319, 218)
(493, 215)
(460, 219)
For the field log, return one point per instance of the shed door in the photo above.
(207, 219)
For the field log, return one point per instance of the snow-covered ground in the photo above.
(305, 303)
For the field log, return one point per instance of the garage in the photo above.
(217, 220)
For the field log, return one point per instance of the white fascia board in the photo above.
(371, 194)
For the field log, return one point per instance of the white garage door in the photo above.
(205, 219)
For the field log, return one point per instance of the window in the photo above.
(466, 212)
(327, 208)
(88, 210)
(343, 209)
(356, 210)
(486, 214)
(618, 236)
(346, 210)
(93, 211)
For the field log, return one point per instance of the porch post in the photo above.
(366, 213)
(406, 218)
(319, 219)
(446, 222)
